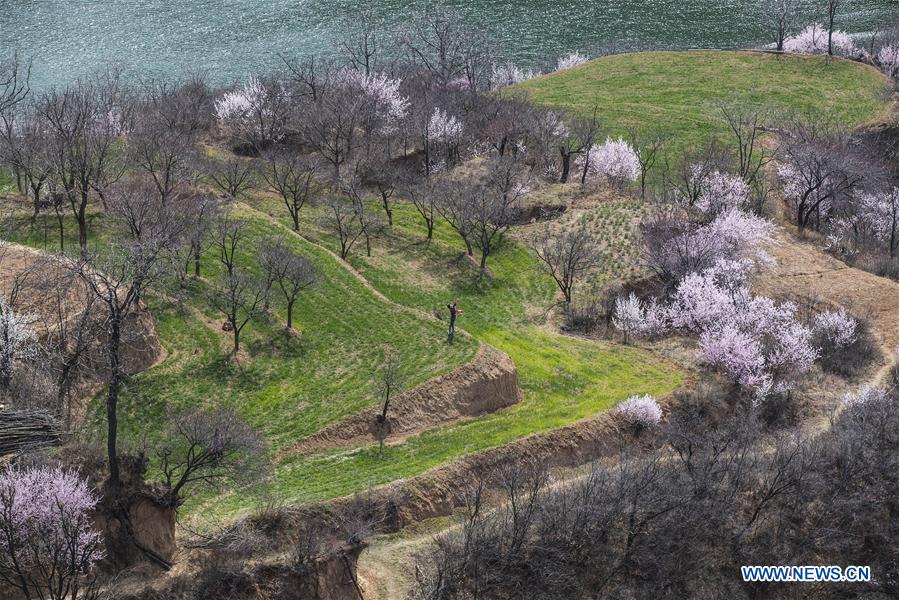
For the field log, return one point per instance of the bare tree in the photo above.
(25, 147)
(648, 148)
(423, 196)
(117, 278)
(369, 223)
(341, 217)
(361, 36)
(240, 297)
(495, 203)
(136, 203)
(455, 203)
(566, 256)
(309, 78)
(437, 41)
(390, 379)
(167, 155)
(746, 123)
(779, 18)
(201, 214)
(72, 334)
(291, 272)
(818, 173)
(185, 106)
(331, 125)
(227, 234)
(383, 176)
(14, 82)
(232, 175)
(293, 177)
(832, 7)
(585, 133)
(207, 448)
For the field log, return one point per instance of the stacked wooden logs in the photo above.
(26, 429)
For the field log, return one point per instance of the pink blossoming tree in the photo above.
(637, 319)
(48, 547)
(888, 58)
(813, 40)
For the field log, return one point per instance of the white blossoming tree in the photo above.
(17, 341)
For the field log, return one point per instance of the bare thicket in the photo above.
(85, 121)
(675, 521)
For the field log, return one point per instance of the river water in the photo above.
(231, 38)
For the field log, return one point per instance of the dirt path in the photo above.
(804, 269)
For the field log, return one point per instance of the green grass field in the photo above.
(564, 379)
(674, 93)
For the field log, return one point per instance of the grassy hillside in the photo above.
(564, 379)
(675, 92)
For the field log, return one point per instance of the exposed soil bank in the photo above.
(486, 384)
(46, 289)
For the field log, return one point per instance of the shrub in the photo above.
(863, 396)
(813, 40)
(642, 411)
(846, 360)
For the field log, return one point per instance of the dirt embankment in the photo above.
(486, 384)
(442, 490)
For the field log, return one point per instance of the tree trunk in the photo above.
(386, 406)
(197, 261)
(566, 167)
(290, 314)
(387, 210)
(112, 399)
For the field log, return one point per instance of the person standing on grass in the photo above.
(454, 311)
